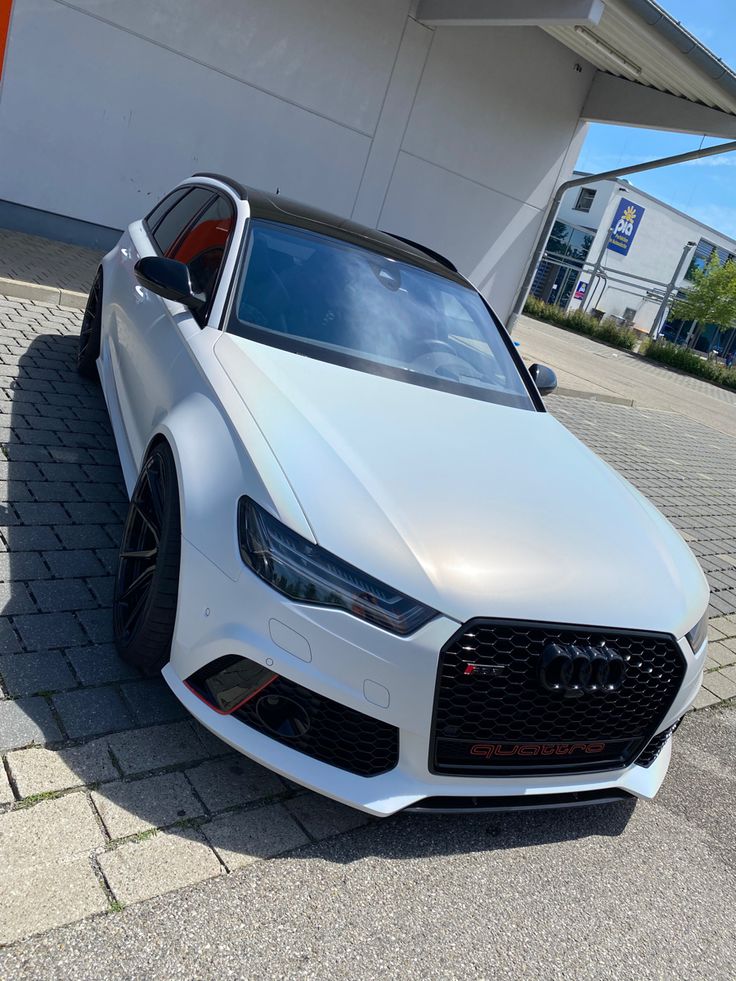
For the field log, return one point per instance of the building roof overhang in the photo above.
(651, 71)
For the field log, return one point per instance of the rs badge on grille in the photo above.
(484, 670)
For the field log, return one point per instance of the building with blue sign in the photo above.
(618, 252)
(624, 225)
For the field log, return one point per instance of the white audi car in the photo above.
(358, 548)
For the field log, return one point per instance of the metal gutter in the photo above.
(686, 43)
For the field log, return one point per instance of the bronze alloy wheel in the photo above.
(89, 336)
(146, 585)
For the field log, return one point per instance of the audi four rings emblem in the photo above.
(575, 669)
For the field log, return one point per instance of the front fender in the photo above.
(215, 468)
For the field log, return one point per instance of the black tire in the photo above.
(147, 580)
(89, 336)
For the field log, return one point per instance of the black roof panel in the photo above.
(274, 207)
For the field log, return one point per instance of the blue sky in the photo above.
(705, 189)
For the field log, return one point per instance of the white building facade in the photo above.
(629, 277)
(450, 122)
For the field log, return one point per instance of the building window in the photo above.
(585, 199)
(701, 258)
(555, 281)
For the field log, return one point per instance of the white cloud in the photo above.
(725, 160)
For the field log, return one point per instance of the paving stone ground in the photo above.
(109, 793)
(31, 259)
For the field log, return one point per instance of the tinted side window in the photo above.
(203, 245)
(173, 224)
(160, 210)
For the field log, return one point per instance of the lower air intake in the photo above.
(298, 717)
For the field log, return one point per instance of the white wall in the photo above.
(454, 137)
(493, 128)
(97, 122)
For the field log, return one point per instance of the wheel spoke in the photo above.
(136, 611)
(146, 520)
(140, 549)
(156, 497)
(88, 320)
(148, 553)
(139, 581)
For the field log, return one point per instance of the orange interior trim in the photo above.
(5, 7)
(204, 236)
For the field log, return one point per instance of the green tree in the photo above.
(712, 297)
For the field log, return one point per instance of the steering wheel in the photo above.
(430, 345)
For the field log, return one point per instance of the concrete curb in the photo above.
(44, 294)
(572, 393)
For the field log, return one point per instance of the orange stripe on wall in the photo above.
(5, 8)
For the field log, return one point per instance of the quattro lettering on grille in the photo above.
(487, 750)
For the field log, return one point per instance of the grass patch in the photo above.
(110, 846)
(36, 798)
(582, 323)
(144, 835)
(190, 822)
(116, 906)
(683, 359)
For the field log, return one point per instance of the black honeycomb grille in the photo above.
(337, 735)
(505, 722)
(652, 751)
(655, 747)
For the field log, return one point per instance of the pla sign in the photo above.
(625, 223)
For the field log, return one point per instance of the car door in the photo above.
(153, 332)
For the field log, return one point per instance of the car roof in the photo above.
(274, 207)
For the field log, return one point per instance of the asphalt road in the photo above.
(586, 366)
(607, 892)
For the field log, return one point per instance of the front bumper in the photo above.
(365, 668)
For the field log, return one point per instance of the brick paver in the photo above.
(77, 722)
(41, 771)
(40, 898)
(322, 817)
(128, 807)
(242, 837)
(52, 832)
(6, 791)
(26, 722)
(168, 860)
(232, 781)
(32, 259)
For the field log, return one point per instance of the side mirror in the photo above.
(544, 378)
(168, 278)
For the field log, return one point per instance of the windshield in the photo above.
(330, 299)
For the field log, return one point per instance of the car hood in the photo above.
(473, 508)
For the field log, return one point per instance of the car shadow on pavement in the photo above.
(125, 738)
(408, 835)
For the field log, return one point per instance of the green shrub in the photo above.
(689, 361)
(582, 323)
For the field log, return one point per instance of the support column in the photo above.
(392, 122)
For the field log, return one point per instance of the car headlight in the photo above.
(699, 634)
(308, 573)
